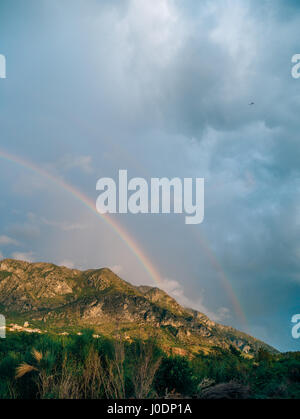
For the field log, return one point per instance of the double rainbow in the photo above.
(124, 235)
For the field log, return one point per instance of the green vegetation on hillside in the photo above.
(62, 300)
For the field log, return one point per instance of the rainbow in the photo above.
(131, 244)
(120, 231)
(223, 278)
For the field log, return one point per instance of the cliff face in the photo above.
(57, 298)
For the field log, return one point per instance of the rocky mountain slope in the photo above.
(56, 298)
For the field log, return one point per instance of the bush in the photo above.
(175, 375)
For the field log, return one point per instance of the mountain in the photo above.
(61, 300)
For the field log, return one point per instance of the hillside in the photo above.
(62, 300)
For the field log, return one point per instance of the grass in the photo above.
(53, 366)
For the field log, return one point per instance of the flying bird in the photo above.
(251, 103)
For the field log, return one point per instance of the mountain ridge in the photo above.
(58, 298)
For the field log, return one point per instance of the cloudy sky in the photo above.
(160, 88)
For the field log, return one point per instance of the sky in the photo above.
(162, 89)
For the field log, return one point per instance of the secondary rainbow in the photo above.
(223, 278)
